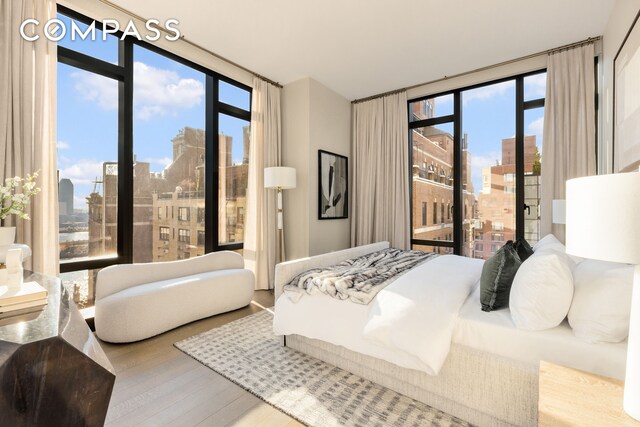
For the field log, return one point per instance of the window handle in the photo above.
(527, 208)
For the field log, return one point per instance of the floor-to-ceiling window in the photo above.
(475, 154)
(152, 153)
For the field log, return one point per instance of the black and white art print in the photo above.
(333, 184)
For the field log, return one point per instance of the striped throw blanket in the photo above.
(358, 279)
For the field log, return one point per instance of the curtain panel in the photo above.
(261, 243)
(569, 147)
(380, 145)
(28, 125)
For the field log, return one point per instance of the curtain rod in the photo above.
(489, 67)
(189, 42)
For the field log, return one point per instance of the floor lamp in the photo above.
(280, 178)
(603, 223)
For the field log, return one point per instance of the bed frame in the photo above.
(481, 388)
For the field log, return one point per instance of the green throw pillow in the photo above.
(497, 276)
(523, 248)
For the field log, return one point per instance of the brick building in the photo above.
(497, 200)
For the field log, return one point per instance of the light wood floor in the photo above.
(156, 384)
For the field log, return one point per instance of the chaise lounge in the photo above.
(138, 301)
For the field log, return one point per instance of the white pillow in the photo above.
(601, 301)
(546, 240)
(551, 242)
(542, 290)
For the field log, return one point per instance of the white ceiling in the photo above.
(363, 47)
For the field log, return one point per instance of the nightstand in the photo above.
(569, 397)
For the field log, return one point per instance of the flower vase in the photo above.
(7, 235)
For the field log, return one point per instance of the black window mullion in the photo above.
(125, 155)
(432, 121)
(520, 196)
(534, 103)
(211, 167)
(232, 111)
(440, 243)
(410, 176)
(90, 64)
(458, 203)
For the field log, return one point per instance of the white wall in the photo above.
(330, 130)
(313, 118)
(622, 16)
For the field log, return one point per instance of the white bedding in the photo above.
(417, 312)
(495, 332)
(337, 322)
(342, 323)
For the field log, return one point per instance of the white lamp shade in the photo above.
(280, 177)
(559, 211)
(603, 217)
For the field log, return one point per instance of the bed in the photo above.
(489, 375)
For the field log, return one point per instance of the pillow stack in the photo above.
(498, 274)
(595, 296)
(543, 287)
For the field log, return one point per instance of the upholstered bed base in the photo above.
(481, 388)
(478, 387)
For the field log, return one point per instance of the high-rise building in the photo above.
(65, 196)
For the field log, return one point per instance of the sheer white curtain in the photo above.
(260, 238)
(27, 124)
(381, 172)
(569, 145)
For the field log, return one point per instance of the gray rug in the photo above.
(313, 392)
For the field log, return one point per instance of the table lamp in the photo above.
(603, 223)
(280, 178)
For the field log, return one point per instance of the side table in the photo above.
(52, 368)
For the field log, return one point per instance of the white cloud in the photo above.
(82, 171)
(536, 127)
(535, 86)
(486, 92)
(96, 88)
(163, 162)
(156, 92)
(63, 145)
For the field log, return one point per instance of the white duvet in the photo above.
(416, 313)
(409, 323)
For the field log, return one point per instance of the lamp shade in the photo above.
(603, 217)
(559, 211)
(280, 177)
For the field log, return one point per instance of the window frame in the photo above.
(187, 211)
(123, 73)
(164, 231)
(456, 118)
(184, 235)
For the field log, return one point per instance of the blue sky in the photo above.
(488, 116)
(167, 97)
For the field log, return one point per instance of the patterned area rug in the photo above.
(313, 392)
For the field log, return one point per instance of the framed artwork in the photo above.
(626, 102)
(333, 185)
